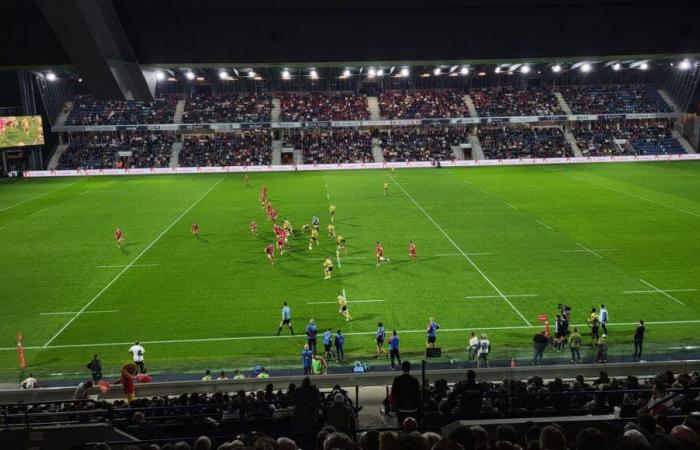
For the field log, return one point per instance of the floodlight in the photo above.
(314, 74)
(346, 72)
(286, 75)
(160, 76)
(380, 72)
(371, 72)
(251, 74)
(498, 69)
(643, 66)
(616, 67)
(189, 75)
(684, 65)
(464, 71)
(556, 68)
(437, 71)
(525, 69)
(404, 72)
(223, 75)
(51, 76)
(586, 67)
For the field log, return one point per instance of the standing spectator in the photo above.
(575, 341)
(30, 383)
(473, 347)
(394, 349)
(340, 347)
(144, 377)
(311, 332)
(137, 351)
(604, 319)
(484, 350)
(539, 342)
(639, 340)
(305, 406)
(602, 354)
(306, 357)
(95, 367)
(405, 394)
(431, 331)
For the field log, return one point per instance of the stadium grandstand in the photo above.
(371, 226)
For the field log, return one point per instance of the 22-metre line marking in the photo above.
(459, 249)
(123, 271)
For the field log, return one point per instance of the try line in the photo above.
(457, 247)
(358, 333)
(123, 271)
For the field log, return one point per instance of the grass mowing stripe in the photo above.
(662, 292)
(356, 333)
(123, 271)
(39, 196)
(483, 275)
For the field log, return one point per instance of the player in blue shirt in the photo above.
(394, 348)
(432, 333)
(328, 343)
(311, 331)
(306, 356)
(315, 222)
(286, 319)
(340, 347)
(379, 338)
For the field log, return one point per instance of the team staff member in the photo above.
(95, 367)
(311, 332)
(639, 340)
(394, 348)
(286, 319)
(340, 346)
(328, 343)
(379, 338)
(306, 356)
(431, 333)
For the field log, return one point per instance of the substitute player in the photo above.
(270, 252)
(331, 211)
(195, 229)
(119, 237)
(254, 227)
(314, 238)
(380, 254)
(344, 311)
(327, 269)
(386, 189)
(286, 319)
(412, 251)
(341, 245)
(331, 231)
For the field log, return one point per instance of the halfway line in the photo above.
(123, 271)
(498, 296)
(461, 251)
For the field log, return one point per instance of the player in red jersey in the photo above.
(380, 254)
(119, 236)
(280, 244)
(273, 215)
(254, 227)
(270, 252)
(195, 229)
(278, 230)
(412, 250)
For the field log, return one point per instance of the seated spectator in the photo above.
(335, 146)
(612, 138)
(228, 108)
(514, 142)
(614, 99)
(422, 104)
(88, 111)
(421, 143)
(510, 101)
(247, 148)
(341, 415)
(313, 106)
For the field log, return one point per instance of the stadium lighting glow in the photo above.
(380, 72)
(371, 72)
(437, 71)
(586, 68)
(525, 69)
(51, 76)
(251, 74)
(684, 65)
(286, 75)
(223, 75)
(404, 72)
(200, 78)
(314, 74)
(498, 70)
(346, 73)
(643, 66)
(616, 67)
(80, 80)
(189, 75)
(464, 71)
(482, 74)
(556, 68)
(160, 76)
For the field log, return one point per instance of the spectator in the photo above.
(306, 406)
(207, 375)
(511, 101)
(552, 438)
(540, 342)
(284, 443)
(341, 416)
(405, 392)
(639, 340)
(590, 439)
(202, 443)
(95, 366)
(30, 383)
(338, 441)
(81, 393)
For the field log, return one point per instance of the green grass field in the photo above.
(518, 240)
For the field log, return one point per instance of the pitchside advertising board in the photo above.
(21, 131)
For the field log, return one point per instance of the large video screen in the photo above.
(20, 131)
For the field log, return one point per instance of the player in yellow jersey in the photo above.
(327, 269)
(287, 226)
(343, 311)
(305, 228)
(386, 189)
(331, 211)
(393, 172)
(314, 238)
(341, 245)
(331, 231)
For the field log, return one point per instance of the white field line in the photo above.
(352, 302)
(590, 251)
(337, 258)
(123, 271)
(39, 196)
(662, 292)
(459, 254)
(125, 265)
(655, 291)
(498, 296)
(74, 312)
(39, 212)
(513, 207)
(630, 194)
(579, 250)
(544, 225)
(484, 191)
(359, 333)
(457, 247)
(84, 192)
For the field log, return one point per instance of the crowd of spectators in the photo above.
(101, 150)
(614, 99)
(609, 138)
(422, 104)
(89, 111)
(510, 101)
(523, 142)
(247, 148)
(228, 108)
(313, 106)
(421, 143)
(332, 146)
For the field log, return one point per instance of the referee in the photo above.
(286, 319)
